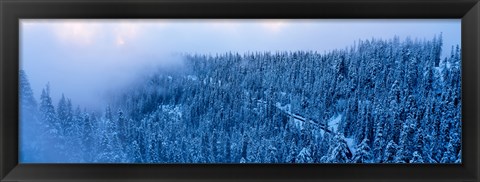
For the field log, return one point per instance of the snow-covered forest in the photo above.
(378, 101)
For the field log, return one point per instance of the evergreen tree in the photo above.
(378, 143)
(27, 100)
(304, 156)
(390, 152)
(363, 154)
(417, 158)
(339, 152)
(30, 126)
(48, 111)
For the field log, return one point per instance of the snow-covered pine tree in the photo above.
(47, 111)
(304, 156)
(390, 152)
(339, 153)
(416, 158)
(378, 143)
(30, 126)
(363, 153)
(27, 103)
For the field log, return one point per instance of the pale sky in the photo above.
(85, 59)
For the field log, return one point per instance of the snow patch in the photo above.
(192, 77)
(351, 145)
(334, 121)
(298, 123)
(286, 108)
(322, 132)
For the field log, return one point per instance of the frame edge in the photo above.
(4, 171)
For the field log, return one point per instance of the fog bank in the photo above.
(88, 59)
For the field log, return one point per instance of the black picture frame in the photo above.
(13, 10)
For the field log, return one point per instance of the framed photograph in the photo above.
(239, 91)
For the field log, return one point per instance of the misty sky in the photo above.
(87, 59)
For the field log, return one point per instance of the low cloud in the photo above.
(86, 59)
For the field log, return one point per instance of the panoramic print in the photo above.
(216, 91)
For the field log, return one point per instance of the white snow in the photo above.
(192, 77)
(298, 123)
(304, 152)
(322, 132)
(334, 121)
(284, 108)
(351, 145)
(299, 120)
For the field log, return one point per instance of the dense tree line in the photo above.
(398, 102)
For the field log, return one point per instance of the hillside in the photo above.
(379, 101)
